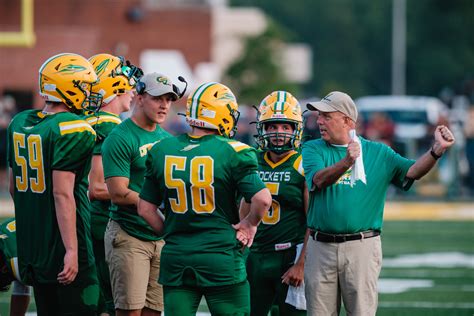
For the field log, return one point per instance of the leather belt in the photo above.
(338, 238)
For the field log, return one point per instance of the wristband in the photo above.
(434, 155)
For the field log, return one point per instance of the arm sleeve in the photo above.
(399, 167)
(244, 171)
(312, 163)
(72, 149)
(116, 157)
(151, 190)
(102, 130)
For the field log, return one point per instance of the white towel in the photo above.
(358, 171)
(295, 295)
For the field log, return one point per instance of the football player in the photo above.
(117, 80)
(271, 265)
(8, 270)
(49, 159)
(197, 177)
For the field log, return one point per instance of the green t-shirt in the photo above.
(103, 123)
(38, 144)
(284, 224)
(342, 209)
(198, 179)
(8, 246)
(124, 155)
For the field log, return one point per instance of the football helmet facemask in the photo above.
(279, 107)
(213, 105)
(116, 76)
(68, 78)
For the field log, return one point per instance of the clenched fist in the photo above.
(353, 151)
(444, 139)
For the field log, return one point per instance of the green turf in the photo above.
(452, 293)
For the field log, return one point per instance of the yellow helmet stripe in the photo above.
(196, 97)
(47, 62)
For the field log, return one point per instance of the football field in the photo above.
(428, 267)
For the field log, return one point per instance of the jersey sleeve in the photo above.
(116, 157)
(102, 125)
(73, 145)
(398, 168)
(312, 162)
(152, 191)
(244, 170)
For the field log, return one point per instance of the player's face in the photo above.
(333, 127)
(156, 108)
(126, 100)
(281, 128)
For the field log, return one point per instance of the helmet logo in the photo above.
(70, 69)
(163, 80)
(99, 70)
(227, 96)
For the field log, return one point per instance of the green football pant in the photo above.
(222, 300)
(264, 272)
(106, 302)
(76, 299)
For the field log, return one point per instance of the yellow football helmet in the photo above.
(213, 105)
(279, 107)
(116, 76)
(68, 78)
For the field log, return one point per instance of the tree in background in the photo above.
(257, 73)
(351, 42)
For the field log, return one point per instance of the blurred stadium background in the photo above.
(408, 64)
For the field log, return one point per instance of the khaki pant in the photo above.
(134, 267)
(347, 270)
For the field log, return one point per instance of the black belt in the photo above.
(338, 238)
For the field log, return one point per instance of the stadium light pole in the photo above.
(399, 47)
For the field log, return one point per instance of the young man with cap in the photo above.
(344, 255)
(132, 248)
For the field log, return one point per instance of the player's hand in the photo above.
(245, 232)
(294, 276)
(444, 139)
(353, 151)
(71, 267)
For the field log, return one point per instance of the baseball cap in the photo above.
(157, 84)
(336, 102)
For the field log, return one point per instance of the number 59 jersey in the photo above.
(198, 180)
(39, 143)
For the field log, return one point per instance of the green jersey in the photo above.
(8, 246)
(344, 209)
(198, 179)
(124, 155)
(39, 144)
(103, 123)
(284, 224)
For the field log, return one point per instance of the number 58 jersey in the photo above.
(39, 143)
(198, 180)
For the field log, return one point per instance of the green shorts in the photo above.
(264, 272)
(79, 298)
(222, 300)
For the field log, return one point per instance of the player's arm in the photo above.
(295, 274)
(149, 212)
(20, 299)
(63, 192)
(247, 227)
(97, 187)
(244, 209)
(119, 192)
(443, 140)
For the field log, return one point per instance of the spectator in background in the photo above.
(380, 128)
(469, 133)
